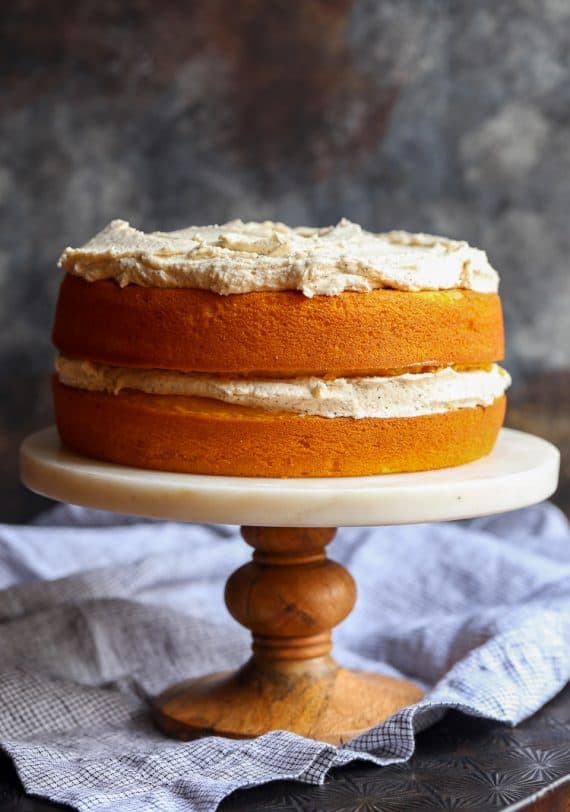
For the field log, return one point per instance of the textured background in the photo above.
(449, 116)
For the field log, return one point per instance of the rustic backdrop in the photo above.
(438, 115)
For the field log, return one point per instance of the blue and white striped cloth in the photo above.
(97, 613)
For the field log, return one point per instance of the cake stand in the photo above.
(290, 595)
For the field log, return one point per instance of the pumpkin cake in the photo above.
(255, 349)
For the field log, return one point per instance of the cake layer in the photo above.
(242, 257)
(279, 334)
(404, 395)
(202, 436)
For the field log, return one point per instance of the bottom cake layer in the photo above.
(202, 436)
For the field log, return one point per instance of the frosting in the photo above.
(407, 395)
(243, 257)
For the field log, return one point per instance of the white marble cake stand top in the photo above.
(521, 470)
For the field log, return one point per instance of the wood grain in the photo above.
(556, 801)
(290, 596)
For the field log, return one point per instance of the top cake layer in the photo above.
(243, 257)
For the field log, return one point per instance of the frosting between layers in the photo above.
(407, 395)
(243, 257)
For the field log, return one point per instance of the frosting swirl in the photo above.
(243, 257)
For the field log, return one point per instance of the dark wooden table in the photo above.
(460, 763)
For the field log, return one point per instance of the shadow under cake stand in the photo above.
(291, 595)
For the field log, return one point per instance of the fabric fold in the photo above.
(99, 613)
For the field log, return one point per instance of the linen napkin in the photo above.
(99, 612)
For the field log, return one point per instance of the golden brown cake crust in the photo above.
(192, 435)
(277, 334)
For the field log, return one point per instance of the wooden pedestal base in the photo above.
(290, 596)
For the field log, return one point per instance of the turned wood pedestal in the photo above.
(290, 596)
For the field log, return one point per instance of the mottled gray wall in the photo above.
(450, 116)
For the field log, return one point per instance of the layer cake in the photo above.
(256, 349)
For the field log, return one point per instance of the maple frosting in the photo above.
(407, 395)
(243, 257)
